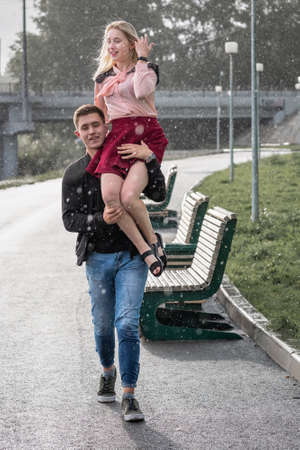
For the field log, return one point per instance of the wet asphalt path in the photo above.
(206, 394)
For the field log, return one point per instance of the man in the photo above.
(115, 271)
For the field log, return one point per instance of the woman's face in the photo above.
(118, 46)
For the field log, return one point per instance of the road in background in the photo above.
(206, 394)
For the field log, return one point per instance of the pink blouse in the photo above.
(132, 97)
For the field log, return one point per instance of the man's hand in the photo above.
(111, 215)
(139, 151)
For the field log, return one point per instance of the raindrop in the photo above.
(139, 129)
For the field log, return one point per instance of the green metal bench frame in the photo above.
(208, 266)
(181, 251)
(160, 215)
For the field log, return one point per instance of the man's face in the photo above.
(91, 130)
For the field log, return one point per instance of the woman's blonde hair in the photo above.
(104, 58)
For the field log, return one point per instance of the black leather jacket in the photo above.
(82, 208)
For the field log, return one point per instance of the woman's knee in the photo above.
(110, 190)
(129, 199)
(111, 197)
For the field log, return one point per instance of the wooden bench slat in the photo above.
(203, 275)
(197, 279)
(186, 218)
(221, 213)
(184, 226)
(178, 240)
(181, 236)
(205, 244)
(215, 221)
(206, 237)
(185, 278)
(200, 276)
(213, 233)
(199, 265)
(217, 228)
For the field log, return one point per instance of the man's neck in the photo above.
(91, 151)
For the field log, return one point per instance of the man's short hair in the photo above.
(84, 110)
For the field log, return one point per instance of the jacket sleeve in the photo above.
(74, 209)
(156, 187)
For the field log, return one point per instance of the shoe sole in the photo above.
(134, 417)
(105, 399)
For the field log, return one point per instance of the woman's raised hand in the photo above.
(143, 47)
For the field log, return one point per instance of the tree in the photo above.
(205, 25)
(189, 34)
(36, 69)
(70, 34)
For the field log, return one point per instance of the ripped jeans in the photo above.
(116, 287)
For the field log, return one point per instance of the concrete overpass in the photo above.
(57, 106)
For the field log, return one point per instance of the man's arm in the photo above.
(156, 187)
(75, 214)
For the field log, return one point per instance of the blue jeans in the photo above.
(116, 287)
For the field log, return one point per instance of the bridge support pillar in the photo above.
(9, 131)
(8, 156)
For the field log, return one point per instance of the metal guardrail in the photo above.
(10, 88)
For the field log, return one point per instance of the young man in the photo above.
(115, 271)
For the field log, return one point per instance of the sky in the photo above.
(11, 22)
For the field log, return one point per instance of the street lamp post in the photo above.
(259, 68)
(297, 86)
(218, 91)
(24, 69)
(255, 206)
(221, 77)
(231, 48)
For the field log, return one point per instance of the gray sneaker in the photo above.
(106, 393)
(131, 410)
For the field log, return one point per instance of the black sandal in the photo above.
(156, 246)
(155, 264)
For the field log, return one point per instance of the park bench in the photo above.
(160, 215)
(171, 308)
(181, 251)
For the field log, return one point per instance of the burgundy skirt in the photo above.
(127, 130)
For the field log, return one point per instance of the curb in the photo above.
(257, 328)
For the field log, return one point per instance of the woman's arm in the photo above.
(99, 100)
(144, 80)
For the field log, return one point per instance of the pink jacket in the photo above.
(127, 94)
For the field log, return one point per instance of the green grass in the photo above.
(31, 179)
(265, 259)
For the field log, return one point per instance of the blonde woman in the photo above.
(124, 90)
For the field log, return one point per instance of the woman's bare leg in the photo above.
(111, 186)
(133, 186)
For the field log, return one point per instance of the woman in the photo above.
(124, 89)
